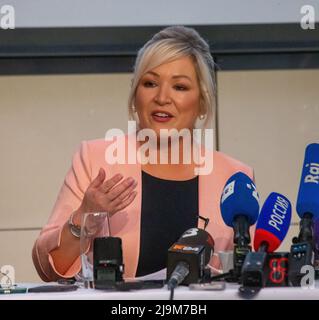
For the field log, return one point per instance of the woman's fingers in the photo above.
(124, 194)
(111, 195)
(117, 190)
(109, 184)
(126, 202)
(99, 179)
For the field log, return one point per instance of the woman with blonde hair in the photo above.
(150, 203)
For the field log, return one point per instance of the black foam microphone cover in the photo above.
(107, 249)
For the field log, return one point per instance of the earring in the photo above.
(201, 116)
(133, 108)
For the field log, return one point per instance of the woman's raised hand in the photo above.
(107, 196)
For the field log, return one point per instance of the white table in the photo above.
(181, 293)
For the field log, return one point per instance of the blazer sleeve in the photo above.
(69, 199)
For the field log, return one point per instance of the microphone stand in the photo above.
(305, 229)
(242, 247)
(302, 250)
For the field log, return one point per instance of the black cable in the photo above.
(171, 297)
(220, 276)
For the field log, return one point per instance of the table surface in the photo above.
(231, 292)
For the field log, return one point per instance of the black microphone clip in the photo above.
(204, 219)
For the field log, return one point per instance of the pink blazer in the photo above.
(126, 224)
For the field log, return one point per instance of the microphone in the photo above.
(240, 209)
(188, 257)
(308, 195)
(273, 223)
(301, 251)
(271, 229)
(108, 267)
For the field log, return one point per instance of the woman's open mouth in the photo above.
(161, 116)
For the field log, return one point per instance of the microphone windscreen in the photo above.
(308, 195)
(239, 197)
(273, 222)
(198, 237)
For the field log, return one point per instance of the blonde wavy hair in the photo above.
(170, 44)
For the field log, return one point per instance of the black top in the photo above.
(169, 208)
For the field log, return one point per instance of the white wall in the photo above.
(73, 13)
